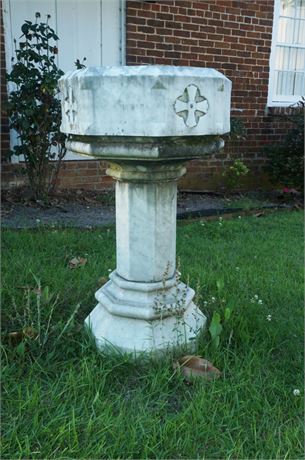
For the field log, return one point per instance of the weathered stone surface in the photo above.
(153, 101)
(138, 317)
(142, 149)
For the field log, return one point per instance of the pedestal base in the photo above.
(145, 317)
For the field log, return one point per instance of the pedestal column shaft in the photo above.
(146, 230)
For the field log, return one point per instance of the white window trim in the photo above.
(281, 101)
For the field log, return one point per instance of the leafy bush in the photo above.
(235, 171)
(286, 161)
(233, 174)
(33, 107)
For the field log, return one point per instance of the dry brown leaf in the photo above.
(259, 214)
(5, 212)
(30, 333)
(16, 337)
(77, 262)
(30, 288)
(103, 280)
(194, 366)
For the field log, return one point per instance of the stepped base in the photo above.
(136, 317)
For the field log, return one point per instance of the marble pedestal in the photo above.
(146, 121)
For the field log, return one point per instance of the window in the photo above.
(287, 60)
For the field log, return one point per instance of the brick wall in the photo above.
(84, 174)
(231, 36)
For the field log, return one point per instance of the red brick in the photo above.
(233, 36)
(146, 29)
(142, 13)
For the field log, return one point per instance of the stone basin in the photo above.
(146, 121)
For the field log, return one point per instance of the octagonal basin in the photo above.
(145, 102)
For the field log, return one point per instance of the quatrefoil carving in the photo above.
(191, 106)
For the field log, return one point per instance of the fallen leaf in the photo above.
(103, 280)
(259, 214)
(30, 333)
(5, 212)
(16, 337)
(30, 288)
(191, 366)
(77, 262)
(88, 199)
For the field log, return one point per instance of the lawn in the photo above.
(63, 399)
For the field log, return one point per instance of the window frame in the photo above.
(280, 101)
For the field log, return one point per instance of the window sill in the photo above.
(284, 103)
(279, 110)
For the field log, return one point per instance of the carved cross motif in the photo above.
(191, 106)
(70, 105)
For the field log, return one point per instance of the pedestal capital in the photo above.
(146, 171)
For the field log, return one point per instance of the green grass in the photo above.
(63, 399)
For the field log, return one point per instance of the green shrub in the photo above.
(285, 163)
(233, 174)
(33, 106)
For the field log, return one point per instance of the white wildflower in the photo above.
(296, 392)
(268, 317)
(213, 299)
(260, 302)
(237, 269)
